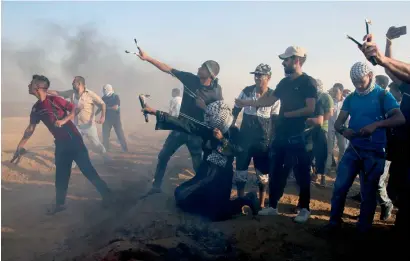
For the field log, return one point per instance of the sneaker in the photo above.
(73, 165)
(303, 216)
(268, 212)
(385, 212)
(254, 202)
(323, 181)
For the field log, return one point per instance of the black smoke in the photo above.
(61, 53)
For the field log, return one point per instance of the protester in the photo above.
(199, 91)
(86, 102)
(367, 135)
(319, 125)
(398, 147)
(112, 118)
(256, 133)
(175, 103)
(297, 94)
(333, 136)
(57, 114)
(208, 193)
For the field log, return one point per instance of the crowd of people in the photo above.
(292, 128)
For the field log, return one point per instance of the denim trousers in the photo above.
(370, 165)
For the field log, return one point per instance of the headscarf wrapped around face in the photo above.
(218, 115)
(108, 90)
(357, 72)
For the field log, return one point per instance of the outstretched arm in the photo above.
(161, 66)
(168, 122)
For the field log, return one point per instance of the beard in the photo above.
(289, 71)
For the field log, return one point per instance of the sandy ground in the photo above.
(146, 228)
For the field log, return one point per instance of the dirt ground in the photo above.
(150, 228)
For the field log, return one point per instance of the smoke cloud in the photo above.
(61, 53)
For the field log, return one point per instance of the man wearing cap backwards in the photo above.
(86, 102)
(199, 91)
(366, 153)
(297, 94)
(256, 133)
(112, 117)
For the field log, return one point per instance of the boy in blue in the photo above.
(366, 151)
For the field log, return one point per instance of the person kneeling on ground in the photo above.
(208, 193)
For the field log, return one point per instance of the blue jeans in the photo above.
(350, 164)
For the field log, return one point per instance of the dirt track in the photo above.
(153, 225)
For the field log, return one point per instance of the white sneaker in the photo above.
(73, 165)
(268, 212)
(303, 216)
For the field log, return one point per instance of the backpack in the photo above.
(393, 145)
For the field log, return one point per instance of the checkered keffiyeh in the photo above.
(357, 72)
(218, 115)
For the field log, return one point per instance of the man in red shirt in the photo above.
(57, 114)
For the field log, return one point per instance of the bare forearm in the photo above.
(264, 101)
(395, 120)
(399, 69)
(161, 66)
(26, 136)
(388, 53)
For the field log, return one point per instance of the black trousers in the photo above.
(319, 152)
(106, 130)
(65, 153)
(174, 141)
(287, 155)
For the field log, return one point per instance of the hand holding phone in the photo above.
(396, 32)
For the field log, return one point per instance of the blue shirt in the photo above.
(365, 110)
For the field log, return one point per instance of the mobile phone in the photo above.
(402, 30)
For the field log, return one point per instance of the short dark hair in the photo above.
(339, 86)
(42, 78)
(80, 79)
(382, 80)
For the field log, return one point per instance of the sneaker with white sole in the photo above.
(303, 216)
(268, 212)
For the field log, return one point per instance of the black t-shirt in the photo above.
(110, 101)
(292, 94)
(208, 93)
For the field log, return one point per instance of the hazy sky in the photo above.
(239, 35)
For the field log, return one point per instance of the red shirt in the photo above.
(47, 111)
